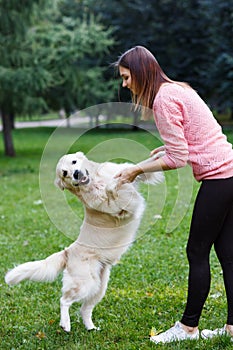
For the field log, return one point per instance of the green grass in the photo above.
(147, 288)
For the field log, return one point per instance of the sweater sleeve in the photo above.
(168, 113)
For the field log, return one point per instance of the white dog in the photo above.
(112, 217)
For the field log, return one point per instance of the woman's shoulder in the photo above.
(174, 87)
(173, 91)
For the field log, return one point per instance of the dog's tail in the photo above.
(153, 177)
(42, 270)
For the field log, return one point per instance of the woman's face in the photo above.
(126, 78)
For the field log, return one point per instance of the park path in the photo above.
(74, 121)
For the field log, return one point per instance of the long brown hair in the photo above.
(146, 75)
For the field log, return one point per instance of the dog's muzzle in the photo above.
(79, 178)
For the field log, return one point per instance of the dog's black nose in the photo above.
(77, 175)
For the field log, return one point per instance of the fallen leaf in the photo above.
(40, 335)
(153, 331)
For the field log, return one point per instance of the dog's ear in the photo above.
(80, 155)
(58, 183)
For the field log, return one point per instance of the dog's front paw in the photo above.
(65, 324)
(65, 327)
(111, 191)
(112, 194)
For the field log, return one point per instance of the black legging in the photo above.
(212, 224)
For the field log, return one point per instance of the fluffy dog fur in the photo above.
(112, 217)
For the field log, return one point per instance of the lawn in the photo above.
(147, 288)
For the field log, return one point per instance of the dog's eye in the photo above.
(74, 161)
(64, 173)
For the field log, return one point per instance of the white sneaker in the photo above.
(176, 333)
(208, 334)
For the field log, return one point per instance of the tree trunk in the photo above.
(7, 135)
(12, 119)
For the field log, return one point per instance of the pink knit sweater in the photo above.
(191, 133)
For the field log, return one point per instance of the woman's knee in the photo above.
(224, 254)
(196, 253)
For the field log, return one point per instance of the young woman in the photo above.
(191, 135)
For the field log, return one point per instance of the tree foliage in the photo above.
(70, 51)
(191, 39)
(48, 61)
(15, 74)
(221, 77)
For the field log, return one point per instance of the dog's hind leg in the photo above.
(86, 313)
(89, 304)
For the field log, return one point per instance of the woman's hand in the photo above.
(128, 175)
(157, 150)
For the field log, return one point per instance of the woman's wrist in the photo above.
(137, 170)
